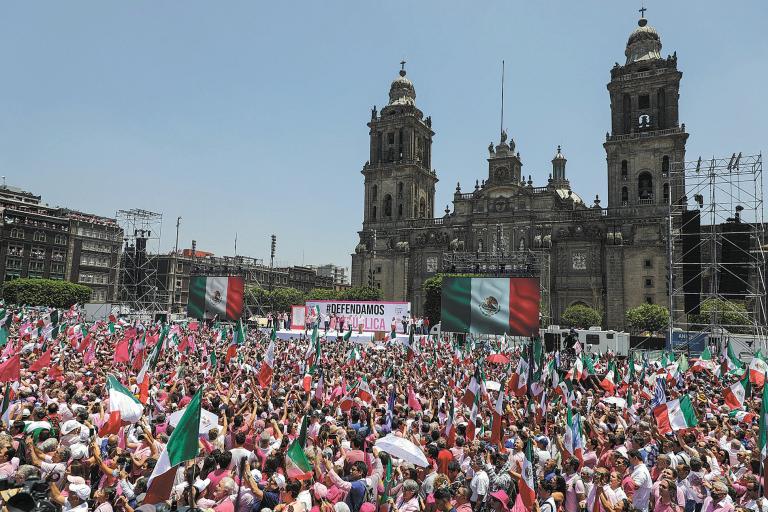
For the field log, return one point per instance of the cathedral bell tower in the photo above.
(399, 182)
(646, 137)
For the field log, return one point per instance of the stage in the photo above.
(365, 337)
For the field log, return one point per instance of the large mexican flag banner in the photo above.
(491, 305)
(215, 297)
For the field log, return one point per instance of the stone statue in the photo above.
(490, 148)
(503, 136)
(374, 112)
(428, 121)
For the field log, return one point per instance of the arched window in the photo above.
(400, 210)
(373, 212)
(665, 164)
(645, 186)
(624, 169)
(624, 196)
(666, 192)
(422, 208)
(388, 205)
(626, 111)
(374, 193)
(400, 190)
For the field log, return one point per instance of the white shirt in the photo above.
(479, 486)
(642, 479)
(239, 454)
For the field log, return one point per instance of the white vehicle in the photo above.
(593, 340)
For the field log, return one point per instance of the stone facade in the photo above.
(610, 258)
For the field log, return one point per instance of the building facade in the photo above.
(33, 237)
(610, 258)
(338, 274)
(39, 241)
(93, 253)
(175, 270)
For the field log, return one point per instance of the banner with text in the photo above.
(372, 315)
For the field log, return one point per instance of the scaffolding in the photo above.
(140, 290)
(525, 263)
(250, 269)
(716, 253)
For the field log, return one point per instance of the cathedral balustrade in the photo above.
(643, 74)
(640, 135)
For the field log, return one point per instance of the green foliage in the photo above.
(321, 294)
(360, 293)
(729, 313)
(45, 292)
(281, 299)
(433, 290)
(647, 317)
(580, 316)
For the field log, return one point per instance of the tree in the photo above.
(360, 293)
(731, 314)
(581, 316)
(647, 317)
(433, 290)
(278, 300)
(45, 292)
(322, 294)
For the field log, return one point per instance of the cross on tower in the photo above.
(642, 11)
(402, 65)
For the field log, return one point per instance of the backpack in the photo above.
(352, 501)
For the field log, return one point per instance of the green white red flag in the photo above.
(675, 415)
(182, 446)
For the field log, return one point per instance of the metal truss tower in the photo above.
(716, 251)
(139, 288)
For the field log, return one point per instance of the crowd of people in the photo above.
(500, 428)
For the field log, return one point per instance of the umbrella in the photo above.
(497, 358)
(402, 449)
(492, 385)
(615, 400)
(208, 420)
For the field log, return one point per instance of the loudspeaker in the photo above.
(551, 341)
(734, 260)
(691, 233)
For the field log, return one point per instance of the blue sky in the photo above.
(249, 117)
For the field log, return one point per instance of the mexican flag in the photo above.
(498, 413)
(525, 487)
(364, 391)
(347, 334)
(704, 362)
(742, 416)
(573, 440)
(124, 408)
(518, 383)
(473, 390)
(183, 445)
(675, 415)
(609, 381)
(737, 393)
(565, 390)
(220, 297)
(732, 362)
(577, 370)
(757, 369)
(491, 305)
(297, 465)
(267, 366)
(762, 438)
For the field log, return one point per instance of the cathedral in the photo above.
(610, 257)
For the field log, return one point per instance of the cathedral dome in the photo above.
(402, 92)
(643, 44)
